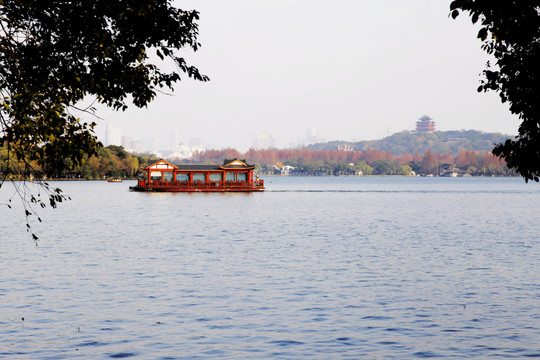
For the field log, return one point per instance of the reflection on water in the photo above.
(313, 268)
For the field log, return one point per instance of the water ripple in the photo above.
(326, 268)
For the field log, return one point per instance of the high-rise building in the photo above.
(113, 135)
(172, 139)
(425, 124)
(137, 146)
(311, 136)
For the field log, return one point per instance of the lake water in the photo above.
(313, 268)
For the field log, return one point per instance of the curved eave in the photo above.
(237, 168)
(157, 162)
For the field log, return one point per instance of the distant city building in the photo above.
(166, 146)
(345, 147)
(137, 146)
(113, 135)
(127, 143)
(157, 145)
(425, 124)
(184, 152)
(283, 170)
(172, 139)
(311, 136)
(286, 170)
(263, 141)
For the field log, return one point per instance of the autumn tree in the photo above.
(510, 32)
(429, 164)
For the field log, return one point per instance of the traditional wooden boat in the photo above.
(114, 180)
(233, 175)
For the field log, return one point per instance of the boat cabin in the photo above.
(232, 175)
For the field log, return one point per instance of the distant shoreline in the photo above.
(289, 176)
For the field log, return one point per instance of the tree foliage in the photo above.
(510, 32)
(368, 162)
(55, 53)
(111, 161)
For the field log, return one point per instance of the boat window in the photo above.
(215, 177)
(241, 176)
(230, 176)
(182, 177)
(167, 175)
(199, 177)
(155, 175)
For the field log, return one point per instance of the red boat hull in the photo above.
(194, 189)
(175, 186)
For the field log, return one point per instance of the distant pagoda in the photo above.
(425, 124)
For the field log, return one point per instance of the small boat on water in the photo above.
(233, 175)
(114, 180)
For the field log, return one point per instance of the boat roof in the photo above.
(235, 164)
(197, 167)
(228, 164)
(159, 164)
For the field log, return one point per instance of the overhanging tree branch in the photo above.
(55, 53)
(510, 31)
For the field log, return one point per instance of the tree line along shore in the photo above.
(114, 162)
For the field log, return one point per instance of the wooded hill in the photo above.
(406, 142)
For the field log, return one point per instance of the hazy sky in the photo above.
(354, 69)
